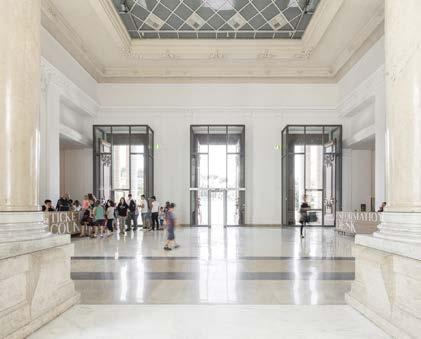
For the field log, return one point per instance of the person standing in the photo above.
(109, 213)
(144, 210)
(64, 203)
(131, 214)
(155, 213)
(161, 218)
(47, 207)
(122, 209)
(304, 208)
(99, 215)
(171, 223)
(85, 202)
(76, 206)
(382, 206)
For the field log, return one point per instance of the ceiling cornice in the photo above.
(326, 11)
(113, 23)
(62, 31)
(233, 60)
(363, 35)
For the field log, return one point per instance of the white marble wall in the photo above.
(34, 289)
(60, 96)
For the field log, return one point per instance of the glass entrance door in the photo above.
(217, 175)
(123, 161)
(311, 168)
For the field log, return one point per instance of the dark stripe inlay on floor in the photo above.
(240, 276)
(199, 258)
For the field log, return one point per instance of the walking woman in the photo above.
(304, 215)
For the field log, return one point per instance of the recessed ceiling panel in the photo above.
(216, 19)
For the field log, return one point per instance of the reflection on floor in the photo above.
(236, 265)
(216, 274)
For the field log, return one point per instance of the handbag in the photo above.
(312, 217)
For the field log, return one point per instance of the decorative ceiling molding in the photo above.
(319, 24)
(213, 67)
(62, 31)
(376, 21)
(113, 24)
(143, 60)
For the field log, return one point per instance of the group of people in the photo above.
(104, 217)
(63, 204)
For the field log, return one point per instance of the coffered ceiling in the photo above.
(216, 19)
(115, 43)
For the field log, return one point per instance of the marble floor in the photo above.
(249, 272)
(223, 266)
(210, 322)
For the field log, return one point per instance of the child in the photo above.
(170, 229)
(110, 216)
(76, 206)
(85, 222)
(161, 217)
(99, 215)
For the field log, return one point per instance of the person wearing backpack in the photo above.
(131, 214)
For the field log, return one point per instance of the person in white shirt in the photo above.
(144, 211)
(155, 213)
(109, 213)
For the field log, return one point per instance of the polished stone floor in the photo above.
(210, 322)
(249, 282)
(216, 266)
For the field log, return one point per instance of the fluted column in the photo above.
(20, 25)
(402, 220)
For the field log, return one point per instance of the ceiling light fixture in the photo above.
(237, 21)
(123, 9)
(196, 21)
(293, 3)
(311, 6)
(218, 4)
(278, 22)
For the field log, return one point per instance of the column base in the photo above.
(400, 226)
(34, 289)
(387, 289)
(15, 248)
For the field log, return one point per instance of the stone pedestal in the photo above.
(35, 288)
(387, 290)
